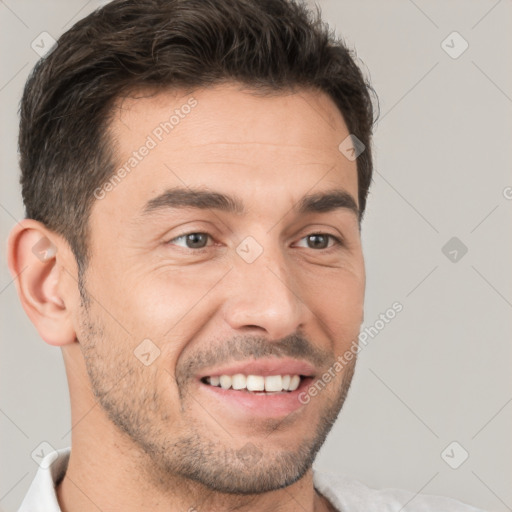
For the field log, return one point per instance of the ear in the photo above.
(36, 258)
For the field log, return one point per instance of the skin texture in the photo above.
(148, 437)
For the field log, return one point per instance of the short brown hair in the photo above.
(268, 45)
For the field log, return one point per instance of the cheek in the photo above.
(170, 308)
(162, 299)
(341, 287)
(338, 301)
(347, 298)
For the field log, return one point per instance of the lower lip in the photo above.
(274, 405)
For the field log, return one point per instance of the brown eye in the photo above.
(192, 240)
(321, 241)
(318, 241)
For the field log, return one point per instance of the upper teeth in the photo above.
(256, 382)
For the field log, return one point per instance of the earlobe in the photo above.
(37, 268)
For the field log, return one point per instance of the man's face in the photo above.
(269, 285)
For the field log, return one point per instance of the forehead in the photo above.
(278, 146)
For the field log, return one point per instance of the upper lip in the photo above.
(264, 367)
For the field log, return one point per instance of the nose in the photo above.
(264, 296)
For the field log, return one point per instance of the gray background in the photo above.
(440, 371)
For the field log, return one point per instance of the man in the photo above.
(195, 174)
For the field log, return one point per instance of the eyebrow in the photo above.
(319, 202)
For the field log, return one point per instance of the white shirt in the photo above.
(345, 494)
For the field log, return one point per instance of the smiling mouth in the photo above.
(256, 384)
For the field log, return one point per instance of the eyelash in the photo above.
(338, 242)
